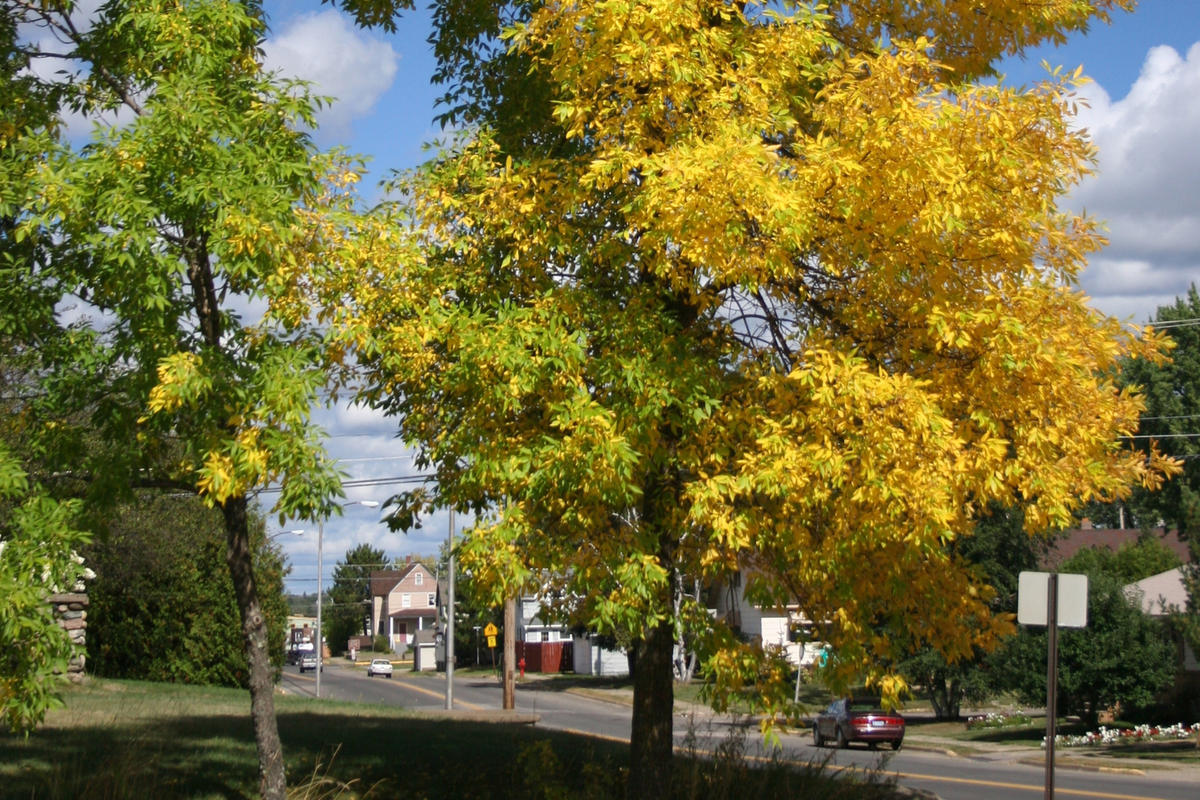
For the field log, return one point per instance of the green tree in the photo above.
(350, 594)
(162, 608)
(1172, 393)
(1000, 549)
(38, 540)
(160, 232)
(1123, 656)
(1171, 420)
(1130, 562)
(707, 287)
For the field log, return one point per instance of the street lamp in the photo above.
(277, 534)
(320, 569)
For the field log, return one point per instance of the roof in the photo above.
(1071, 542)
(383, 581)
(1160, 592)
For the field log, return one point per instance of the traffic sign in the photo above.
(490, 630)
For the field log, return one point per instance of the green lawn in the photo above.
(119, 739)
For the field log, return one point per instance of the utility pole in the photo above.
(450, 619)
(510, 652)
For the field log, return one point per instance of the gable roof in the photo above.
(1160, 592)
(1071, 542)
(384, 580)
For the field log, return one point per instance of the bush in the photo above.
(381, 645)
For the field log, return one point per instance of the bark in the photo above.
(651, 744)
(272, 782)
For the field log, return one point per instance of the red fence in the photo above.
(545, 656)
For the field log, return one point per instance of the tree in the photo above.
(1172, 392)
(1122, 657)
(351, 593)
(174, 235)
(1172, 410)
(162, 609)
(706, 287)
(38, 539)
(1000, 549)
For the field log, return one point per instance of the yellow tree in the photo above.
(713, 286)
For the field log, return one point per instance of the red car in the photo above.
(858, 720)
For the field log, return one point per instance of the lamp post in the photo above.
(320, 569)
(277, 534)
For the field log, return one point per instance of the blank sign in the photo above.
(1033, 591)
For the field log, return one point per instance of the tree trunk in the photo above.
(272, 783)
(651, 743)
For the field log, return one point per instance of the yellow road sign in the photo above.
(490, 630)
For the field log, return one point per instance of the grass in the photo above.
(118, 739)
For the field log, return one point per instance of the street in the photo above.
(566, 704)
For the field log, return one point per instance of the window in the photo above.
(432, 599)
(418, 578)
(406, 600)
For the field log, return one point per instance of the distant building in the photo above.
(403, 601)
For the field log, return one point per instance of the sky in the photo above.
(1142, 109)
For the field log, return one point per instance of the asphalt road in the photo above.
(560, 704)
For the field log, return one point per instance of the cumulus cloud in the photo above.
(1145, 189)
(339, 61)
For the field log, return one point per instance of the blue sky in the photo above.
(1144, 115)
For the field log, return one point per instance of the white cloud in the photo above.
(1146, 188)
(339, 61)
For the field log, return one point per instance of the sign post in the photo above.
(1052, 600)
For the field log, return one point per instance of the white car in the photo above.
(379, 666)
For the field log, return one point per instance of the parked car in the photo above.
(858, 720)
(379, 666)
(308, 661)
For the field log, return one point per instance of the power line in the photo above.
(1174, 323)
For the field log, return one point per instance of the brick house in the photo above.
(403, 601)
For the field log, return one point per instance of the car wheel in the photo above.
(842, 742)
(896, 743)
(818, 740)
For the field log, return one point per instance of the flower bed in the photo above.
(1120, 736)
(996, 720)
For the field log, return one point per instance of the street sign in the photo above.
(491, 641)
(1053, 600)
(490, 630)
(1032, 598)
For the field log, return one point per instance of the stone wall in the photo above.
(70, 609)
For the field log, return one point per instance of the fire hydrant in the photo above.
(521, 665)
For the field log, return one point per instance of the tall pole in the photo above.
(1051, 678)
(450, 618)
(320, 571)
(510, 653)
(320, 589)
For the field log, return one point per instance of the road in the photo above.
(559, 704)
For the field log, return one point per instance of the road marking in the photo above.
(431, 693)
(1028, 787)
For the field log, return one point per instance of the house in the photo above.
(769, 626)
(532, 627)
(1071, 542)
(1161, 595)
(403, 601)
